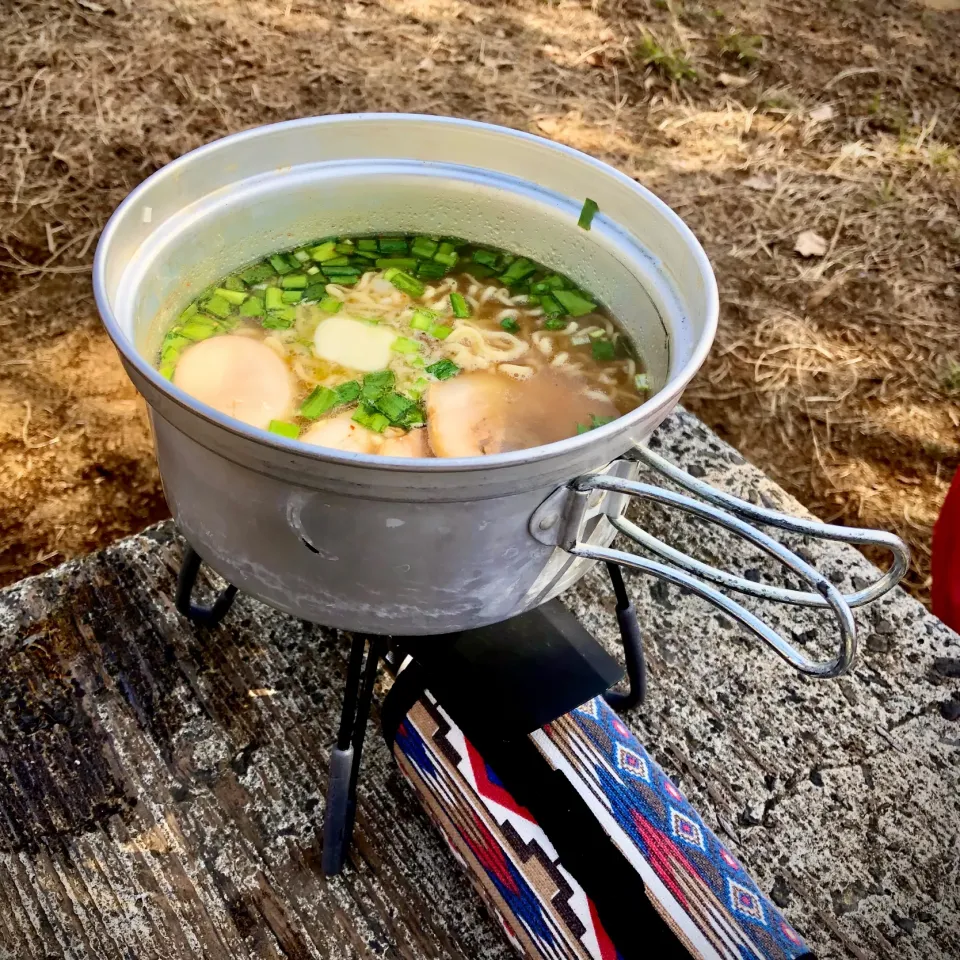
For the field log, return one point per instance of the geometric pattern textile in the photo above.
(696, 892)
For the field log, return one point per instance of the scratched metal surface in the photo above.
(161, 787)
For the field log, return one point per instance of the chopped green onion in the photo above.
(393, 245)
(370, 418)
(173, 344)
(430, 270)
(574, 303)
(218, 306)
(347, 280)
(312, 271)
(280, 319)
(251, 307)
(330, 304)
(235, 284)
(422, 319)
(294, 281)
(510, 324)
(376, 384)
(394, 406)
(336, 262)
(284, 428)
(316, 292)
(595, 422)
(489, 258)
(479, 270)
(345, 246)
(404, 282)
(364, 256)
(603, 350)
(642, 382)
(280, 264)
(446, 254)
(167, 368)
(405, 345)
(413, 417)
(336, 270)
(401, 263)
(443, 369)
(302, 255)
(320, 400)
(520, 269)
(292, 296)
(596, 334)
(191, 311)
(367, 244)
(417, 388)
(273, 298)
(423, 247)
(257, 273)
(551, 306)
(587, 213)
(324, 251)
(440, 330)
(347, 392)
(199, 329)
(555, 323)
(461, 309)
(552, 282)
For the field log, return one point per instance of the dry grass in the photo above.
(835, 373)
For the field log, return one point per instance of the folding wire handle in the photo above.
(563, 520)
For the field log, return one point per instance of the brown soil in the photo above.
(838, 373)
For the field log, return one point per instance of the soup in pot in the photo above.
(406, 346)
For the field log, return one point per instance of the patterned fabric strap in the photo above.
(579, 843)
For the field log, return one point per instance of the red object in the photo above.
(946, 559)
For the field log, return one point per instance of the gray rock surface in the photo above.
(161, 787)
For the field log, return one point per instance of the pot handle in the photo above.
(584, 499)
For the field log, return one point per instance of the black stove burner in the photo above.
(517, 675)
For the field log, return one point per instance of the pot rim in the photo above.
(665, 399)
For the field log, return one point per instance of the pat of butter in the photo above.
(354, 343)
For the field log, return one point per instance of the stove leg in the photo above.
(205, 616)
(345, 757)
(632, 647)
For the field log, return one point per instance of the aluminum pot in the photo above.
(387, 545)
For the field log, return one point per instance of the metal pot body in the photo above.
(371, 543)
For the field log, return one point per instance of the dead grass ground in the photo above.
(757, 120)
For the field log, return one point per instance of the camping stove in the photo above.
(535, 667)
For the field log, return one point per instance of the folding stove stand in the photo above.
(517, 675)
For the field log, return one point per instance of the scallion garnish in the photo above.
(330, 304)
(489, 258)
(273, 298)
(347, 392)
(394, 406)
(422, 319)
(519, 270)
(284, 428)
(320, 400)
(393, 246)
(324, 251)
(642, 382)
(280, 264)
(251, 307)
(294, 281)
(218, 306)
(458, 303)
(424, 247)
(510, 324)
(443, 369)
(405, 345)
(430, 270)
(574, 303)
(370, 418)
(555, 323)
(292, 296)
(257, 273)
(446, 254)
(401, 263)
(440, 331)
(376, 384)
(603, 350)
(587, 213)
(404, 282)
